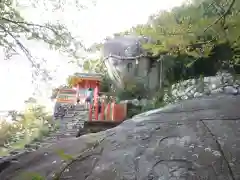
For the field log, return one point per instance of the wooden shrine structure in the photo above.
(110, 111)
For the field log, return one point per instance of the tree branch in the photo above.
(221, 17)
(200, 44)
(19, 23)
(27, 54)
(20, 45)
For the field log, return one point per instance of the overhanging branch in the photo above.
(19, 44)
(20, 23)
(221, 17)
(26, 52)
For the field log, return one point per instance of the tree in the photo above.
(201, 38)
(94, 65)
(14, 29)
(28, 126)
(31, 100)
(98, 66)
(13, 114)
(60, 4)
(190, 28)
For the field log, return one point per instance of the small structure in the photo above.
(66, 96)
(84, 81)
(65, 100)
(110, 111)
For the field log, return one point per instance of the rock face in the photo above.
(120, 55)
(124, 46)
(191, 140)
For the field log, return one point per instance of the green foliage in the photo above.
(94, 65)
(14, 29)
(193, 40)
(31, 125)
(158, 98)
(64, 156)
(98, 66)
(132, 90)
(13, 26)
(201, 36)
(156, 102)
(31, 176)
(133, 110)
(105, 85)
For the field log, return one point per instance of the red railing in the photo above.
(109, 112)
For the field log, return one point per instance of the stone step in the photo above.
(69, 116)
(70, 112)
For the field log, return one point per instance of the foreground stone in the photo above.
(192, 140)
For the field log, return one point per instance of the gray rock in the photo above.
(230, 90)
(32, 146)
(217, 91)
(193, 139)
(207, 86)
(184, 97)
(14, 152)
(189, 89)
(171, 144)
(235, 85)
(174, 92)
(207, 91)
(197, 94)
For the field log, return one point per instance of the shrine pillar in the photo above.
(78, 90)
(96, 92)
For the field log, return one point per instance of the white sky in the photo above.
(91, 25)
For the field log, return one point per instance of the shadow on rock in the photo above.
(194, 139)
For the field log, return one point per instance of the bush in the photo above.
(132, 91)
(33, 126)
(133, 110)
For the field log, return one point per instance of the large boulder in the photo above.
(119, 52)
(124, 46)
(191, 140)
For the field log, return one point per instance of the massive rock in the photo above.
(119, 52)
(196, 139)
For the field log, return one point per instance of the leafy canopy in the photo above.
(15, 30)
(194, 28)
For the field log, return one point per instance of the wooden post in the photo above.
(113, 110)
(90, 112)
(78, 90)
(108, 115)
(125, 111)
(96, 92)
(102, 110)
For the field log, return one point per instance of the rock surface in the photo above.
(196, 139)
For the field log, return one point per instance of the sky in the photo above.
(90, 25)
